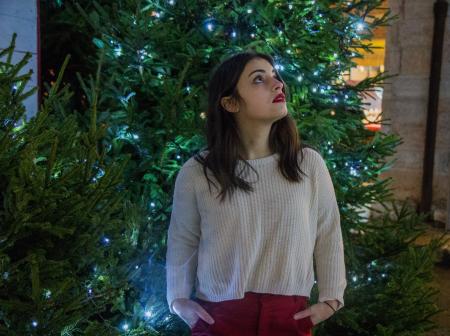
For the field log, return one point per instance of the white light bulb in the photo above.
(359, 26)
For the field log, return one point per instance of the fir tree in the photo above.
(158, 57)
(61, 211)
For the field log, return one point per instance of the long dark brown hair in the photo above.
(224, 144)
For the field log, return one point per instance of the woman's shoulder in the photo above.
(311, 155)
(194, 160)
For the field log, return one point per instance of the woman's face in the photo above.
(258, 87)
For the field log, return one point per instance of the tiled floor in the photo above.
(442, 282)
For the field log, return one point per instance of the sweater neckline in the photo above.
(262, 160)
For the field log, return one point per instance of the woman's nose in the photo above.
(278, 84)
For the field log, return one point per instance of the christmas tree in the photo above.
(157, 61)
(61, 210)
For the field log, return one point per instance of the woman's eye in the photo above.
(260, 77)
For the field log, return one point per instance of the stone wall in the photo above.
(405, 99)
(20, 16)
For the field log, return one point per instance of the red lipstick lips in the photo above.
(279, 98)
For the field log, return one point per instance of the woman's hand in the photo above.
(318, 312)
(190, 311)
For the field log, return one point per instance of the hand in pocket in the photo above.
(190, 312)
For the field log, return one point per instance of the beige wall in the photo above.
(405, 99)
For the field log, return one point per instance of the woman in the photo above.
(250, 255)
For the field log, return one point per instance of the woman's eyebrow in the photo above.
(259, 70)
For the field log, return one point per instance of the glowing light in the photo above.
(47, 293)
(299, 78)
(34, 324)
(355, 279)
(233, 34)
(210, 26)
(118, 51)
(125, 326)
(249, 11)
(279, 67)
(360, 26)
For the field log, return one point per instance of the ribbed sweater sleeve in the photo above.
(182, 238)
(328, 249)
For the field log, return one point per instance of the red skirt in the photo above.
(257, 314)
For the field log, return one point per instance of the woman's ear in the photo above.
(229, 104)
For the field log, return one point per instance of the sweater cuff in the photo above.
(179, 285)
(339, 298)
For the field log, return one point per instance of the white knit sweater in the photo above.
(264, 241)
